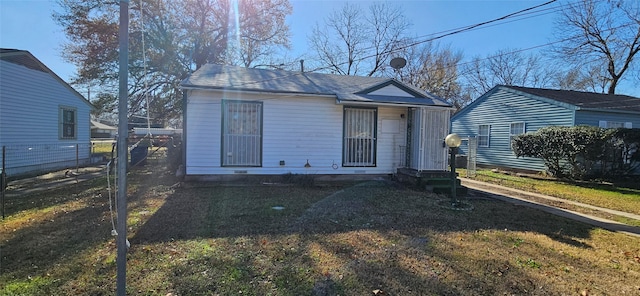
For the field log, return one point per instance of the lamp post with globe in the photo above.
(453, 141)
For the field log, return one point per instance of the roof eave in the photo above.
(253, 91)
(395, 104)
(607, 110)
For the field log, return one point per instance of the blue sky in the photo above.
(27, 25)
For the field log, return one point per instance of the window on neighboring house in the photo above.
(359, 132)
(68, 122)
(241, 133)
(483, 135)
(614, 124)
(517, 128)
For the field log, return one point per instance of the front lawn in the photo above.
(372, 238)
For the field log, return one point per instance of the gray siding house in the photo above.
(43, 120)
(506, 111)
(240, 121)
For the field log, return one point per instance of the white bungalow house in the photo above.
(44, 122)
(267, 122)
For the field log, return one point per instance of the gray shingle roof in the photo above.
(347, 88)
(585, 100)
(22, 57)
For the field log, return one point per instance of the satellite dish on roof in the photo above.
(398, 63)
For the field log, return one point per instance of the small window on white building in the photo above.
(516, 128)
(614, 124)
(68, 123)
(484, 131)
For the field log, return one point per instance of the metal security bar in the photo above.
(359, 148)
(429, 128)
(242, 133)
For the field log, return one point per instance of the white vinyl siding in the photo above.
(484, 132)
(241, 133)
(30, 112)
(30, 118)
(360, 135)
(296, 130)
(391, 90)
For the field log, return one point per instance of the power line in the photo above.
(519, 15)
(528, 14)
(536, 46)
(443, 34)
(448, 33)
(477, 26)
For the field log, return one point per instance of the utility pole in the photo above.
(123, 133)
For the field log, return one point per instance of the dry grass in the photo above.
(606, 195)
(328, 240)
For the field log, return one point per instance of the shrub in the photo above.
(576, 152)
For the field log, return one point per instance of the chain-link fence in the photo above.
(30, 159)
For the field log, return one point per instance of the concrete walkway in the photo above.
(521, 197)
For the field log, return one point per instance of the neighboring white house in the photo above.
(266, 122)
(102, 130)
(44, 122)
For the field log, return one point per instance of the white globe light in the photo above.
(453, 140)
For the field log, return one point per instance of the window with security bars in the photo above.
(68, 123)
(241, 133)
(359, 144)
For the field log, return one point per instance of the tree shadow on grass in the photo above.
(53, 228)
(411, 219)
(35, 248)
(228, 211)
(234, 211)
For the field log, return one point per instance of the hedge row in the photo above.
(582, 151)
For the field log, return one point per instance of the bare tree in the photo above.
(507, 67)
(592, 79)
(351, 42)
(596, 31)
(434, 69)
